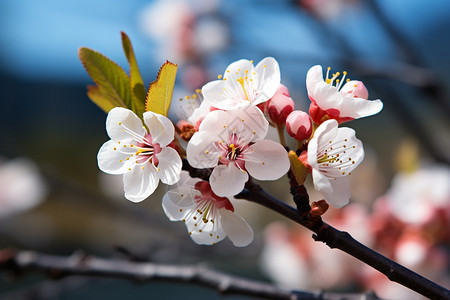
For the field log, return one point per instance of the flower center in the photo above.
(334, 159)
(335, 80)
(233, 151)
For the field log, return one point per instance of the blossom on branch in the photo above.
(333, 153)
(341, 101)
(208, 217)
(143, 158)
(232, 143)
(242, 84)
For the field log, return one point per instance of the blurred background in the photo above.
(54, 199)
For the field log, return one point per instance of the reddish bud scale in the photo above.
(318, 208)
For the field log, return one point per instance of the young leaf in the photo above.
(160, 91)
(136, 83)
(112, 81)
(96, 96)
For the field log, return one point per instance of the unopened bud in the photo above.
(318, 208)
(280, 105)
(299, 125)
(356, 89)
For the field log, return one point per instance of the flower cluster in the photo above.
(226, 136)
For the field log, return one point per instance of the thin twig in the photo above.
(79, 264)
(344, 241)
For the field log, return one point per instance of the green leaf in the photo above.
(136, 83)
(112, 81)
(97, 97)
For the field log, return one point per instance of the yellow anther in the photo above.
(219, 76)
(241, 81)
(264, 66)
(194, 96)
(328, 68)
(198, 90)
(120, 123)
(251, 61)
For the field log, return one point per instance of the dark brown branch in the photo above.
(342, 240)
(79, 264)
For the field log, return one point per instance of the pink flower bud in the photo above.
(280, 105)
(299, 125)
(355, 88)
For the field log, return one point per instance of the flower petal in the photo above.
(111, 160)
(169, 167)
(236, 228)
(227, 180)
(218, 94)
(268, 79)
(120, 122)
(201, 151)
(321, 182)
(209, 235)
(215, 123)
(313, 77)
(325, 133)
(358, 107)
(140, 182)
(268, 161)
(249, 122)
(161, 128)
(340, 192)
(178, 203)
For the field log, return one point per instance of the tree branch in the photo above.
(80, 264)
(342, 240)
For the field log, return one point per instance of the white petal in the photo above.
(237, 69)
(325, 133)
(268, 161)
(220, 95)
(169, 167)
(111, 160)
(227, 180)
(178, 203)
(120, 118)
(201, 151)
(215, 123)
(140, 183)
(313, 77)
(209, 234)
(200, 112)
(340, 192)
(268, 79)
(236, 228)
(249, 122)
(355, 152)
(161, 128)
(321, 182)
(357, 107)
